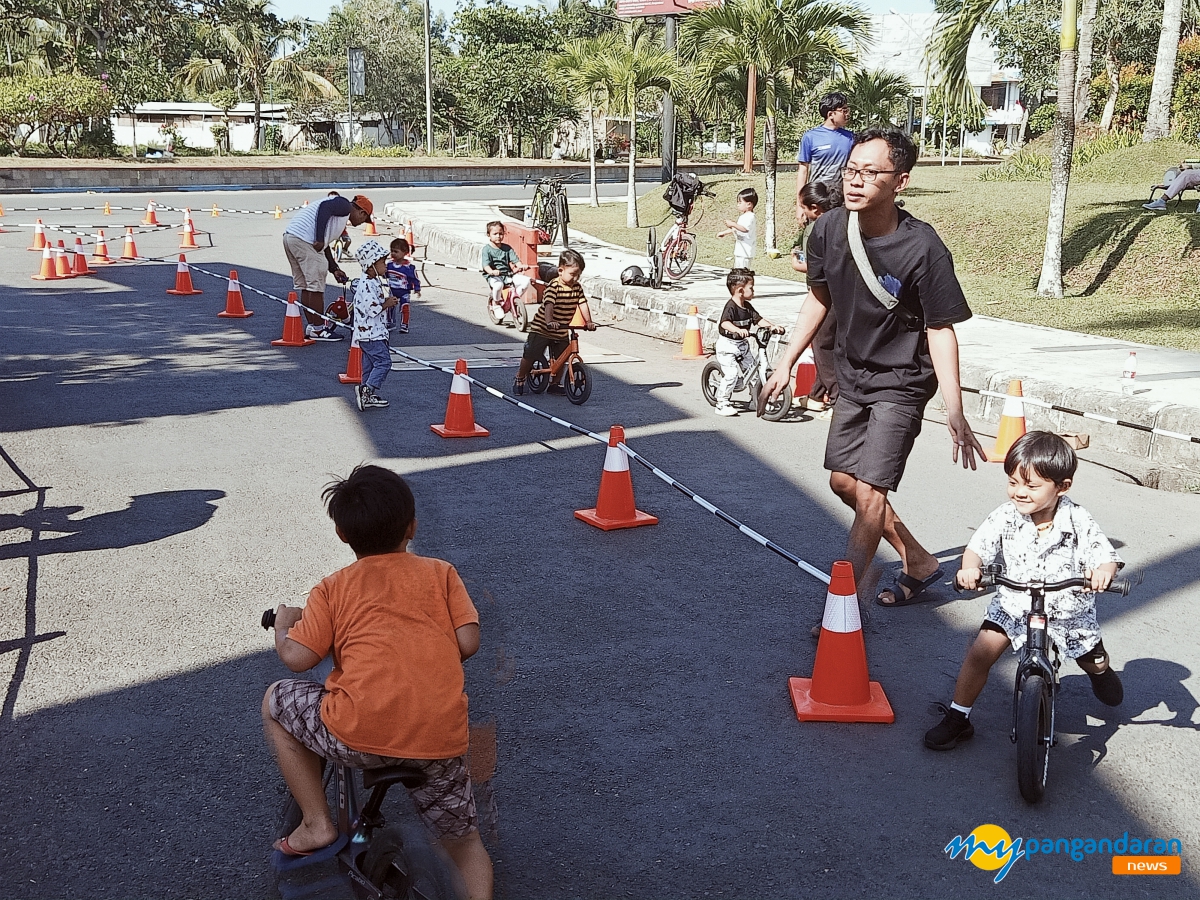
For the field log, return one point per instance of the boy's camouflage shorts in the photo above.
(445, 802)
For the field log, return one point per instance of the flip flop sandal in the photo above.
(282, 846)
(916, 590)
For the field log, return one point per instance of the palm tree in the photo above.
(628, 66)
(875, 96)
(578, 66)
(771, 41)
(254, 40)
(948, 53)
(1158, 116)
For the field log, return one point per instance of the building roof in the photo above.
(171, 108)
(899, 46)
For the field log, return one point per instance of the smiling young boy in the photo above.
(1043, 536)
(550, 328)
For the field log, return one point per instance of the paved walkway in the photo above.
(1062, 367)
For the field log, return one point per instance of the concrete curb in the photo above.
(1155, 461)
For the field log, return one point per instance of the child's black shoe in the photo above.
(953, 730)
(1107, 687)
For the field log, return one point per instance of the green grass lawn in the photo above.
(1129, 273)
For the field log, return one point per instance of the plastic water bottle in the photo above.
(1129, 373)
(528, 217)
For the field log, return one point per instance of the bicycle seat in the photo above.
(409, 776)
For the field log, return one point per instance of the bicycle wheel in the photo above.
(679, 258)
(541, 208)
(1033, 737)
(521, 314)
(536, 381)
(777, 409)
(402, 863)
(576, 381)
(710, 379)
(495, 312)
(563, 215)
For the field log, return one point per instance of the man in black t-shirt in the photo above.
(889, 362)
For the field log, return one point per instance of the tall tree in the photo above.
(578, 65)
(876, 96)
(1158, 116)
(772, 41)
(1083, 75)
(632, 63)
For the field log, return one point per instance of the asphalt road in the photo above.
(159, 488)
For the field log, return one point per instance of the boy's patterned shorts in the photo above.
(445, 802)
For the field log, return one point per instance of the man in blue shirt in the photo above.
(825, 149)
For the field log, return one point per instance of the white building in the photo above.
(194, 122)
(899, 47)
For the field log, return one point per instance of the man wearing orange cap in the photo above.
(307, 241)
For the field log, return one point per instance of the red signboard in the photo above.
(632, 9)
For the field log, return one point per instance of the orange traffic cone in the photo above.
(408, 235)
(189, 236)
(293, 326)
(693, 344)
(806, 374)
(100, 252)
(234, 307)
(183, 280)
(1, 210)
(151, 217)
(130, 251)
(370, 231)
(1012, 422)
(62, 263)
(81, 264)
(39, 236)
(614, 505)
(48, 271)
(460, 415)
(107, 209)
(353, 373)
(278, 212)
(839, 690)
(216, 211)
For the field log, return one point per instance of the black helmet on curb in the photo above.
(633, 276)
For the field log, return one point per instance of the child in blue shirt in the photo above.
(402, 280)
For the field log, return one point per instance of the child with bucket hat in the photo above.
(371, 304)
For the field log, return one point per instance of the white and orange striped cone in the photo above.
(130, 250)
(615, 507)
(216, 211)
(369, 230)
(48, 271)
(293, 326)
(62, 262)
(100, 251)
(353, 373)
(1012, 422)
(408, 235)
(2, 228)
(187, 217)
(81, 263)
(183, 280)
(39, 236)
(460, 414)
(693, 342)
(806, 374)
(840, 690)
(234, 307)
(151, 214)
(107, 209)
(189, 236)
(305, 203)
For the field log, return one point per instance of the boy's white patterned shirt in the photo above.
(370, 323)
(1073, 546)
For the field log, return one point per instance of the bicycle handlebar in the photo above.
(992, 576)
(268, 620)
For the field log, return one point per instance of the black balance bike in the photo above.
(373, 860)
(1037, 679)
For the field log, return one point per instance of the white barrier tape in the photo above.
(118, 231)
(1163, 432)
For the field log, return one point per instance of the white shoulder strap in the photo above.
(859, 252)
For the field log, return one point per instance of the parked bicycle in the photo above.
(550, 209)
(374, 860)
(679, 248)
(1037, 679)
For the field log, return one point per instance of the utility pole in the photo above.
(668, 109)
(428, 86)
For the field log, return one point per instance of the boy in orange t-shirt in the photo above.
(399, 626)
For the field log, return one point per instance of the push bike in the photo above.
(512, 305)
(373, 860)
(677, 253)
(550, 210)
(1037, 679)
(752, 378)
(568, 367)
(341, 247)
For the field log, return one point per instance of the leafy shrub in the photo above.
(1185, 105)
(1041, 120)
(1133, 97)
(369, 150)
(58, 105)
(1024, 166)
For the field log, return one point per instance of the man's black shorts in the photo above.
(872, 442)
(536, 344)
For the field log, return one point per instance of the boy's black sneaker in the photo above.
(1107, 687)
(358, 396)
(953, 730)
(519, 386)
(372, 400)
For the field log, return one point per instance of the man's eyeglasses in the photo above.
(849, 173)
